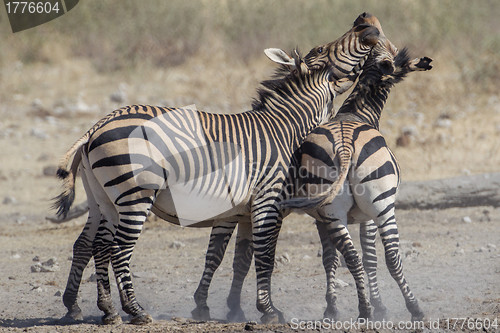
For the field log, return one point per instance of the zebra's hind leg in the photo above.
(82, 252)
(390, 238)
(132, 215)
(265, 230)
(241, 264)
(367, 235)
(331, 262)
(102, 256)
(219, 238)
(342, 239)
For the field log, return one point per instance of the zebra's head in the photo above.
(343, 57)
(387, 66)
(338, 55)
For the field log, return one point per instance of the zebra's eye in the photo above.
(320, 49)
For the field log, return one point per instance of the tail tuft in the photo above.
(62, 174)
(63, 202)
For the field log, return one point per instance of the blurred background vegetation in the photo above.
(119, 34)
(103, 54)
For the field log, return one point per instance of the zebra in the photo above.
(128, 157)
(350, 156)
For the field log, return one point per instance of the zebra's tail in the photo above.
(327, 196)
(64, 200)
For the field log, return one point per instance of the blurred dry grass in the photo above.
(118, 34)
(209, 53)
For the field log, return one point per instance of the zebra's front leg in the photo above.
(219, 238)
(367, 235)
(331, 262)
(241, 264)
(341, 239)
(102, 256)
(390, 238)
(265, 229)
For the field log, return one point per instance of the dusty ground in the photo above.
(451, 257)
(453, 271)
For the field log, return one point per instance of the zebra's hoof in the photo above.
(273, 318)
(331, 313)
(417, 316)
(236, 316)
(201, 313)
(70, 319)
(141, 319)
(111, 319)
(365, 314)
(73, 316)
(380, 313)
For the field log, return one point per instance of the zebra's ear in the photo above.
(279, 56)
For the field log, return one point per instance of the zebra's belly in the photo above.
(195, 209)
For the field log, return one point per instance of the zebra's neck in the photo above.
(366, 102)
(295, 108)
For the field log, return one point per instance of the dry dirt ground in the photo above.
(451, 257)
(452, 266)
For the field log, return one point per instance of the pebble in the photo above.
(250, 326)
(408, 133)
(466, 219)
(9, 200)
(21, 219)
(339, 283)
(58, 293)
(403, 140)
(443, 123)
(38, 289)
(50, 170)
(44, 157)
(50, 265)
(39, 133)
(491, 247)
(120, 95)
(177, 245)
(459, 252)
(409, 130)
(283, 259)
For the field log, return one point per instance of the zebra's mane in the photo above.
(401, 64)
(280, 81)
(369, 83)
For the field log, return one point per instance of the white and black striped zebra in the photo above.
(349, 156)
(131, 160)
